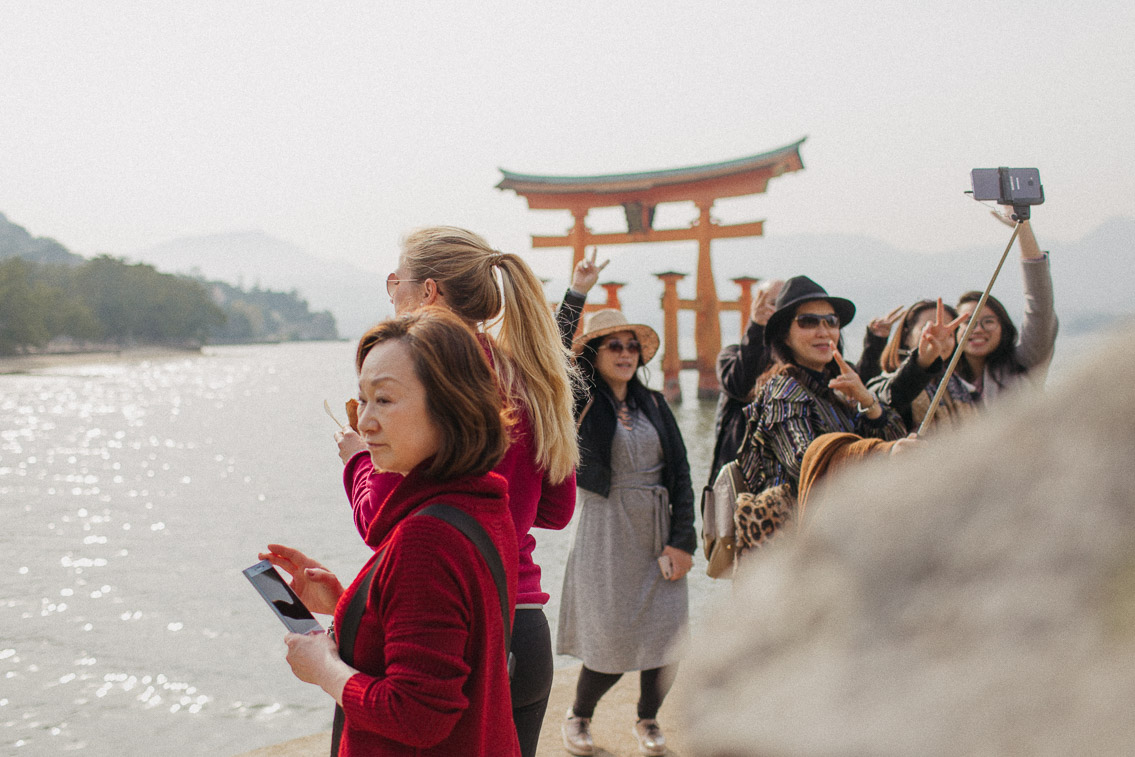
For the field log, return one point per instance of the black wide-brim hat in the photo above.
(799, 289)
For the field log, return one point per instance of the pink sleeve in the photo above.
(366, 489)
(557, 504)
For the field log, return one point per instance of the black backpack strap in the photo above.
(345, 636)
(468, 525)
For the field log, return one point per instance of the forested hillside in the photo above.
(51, 299)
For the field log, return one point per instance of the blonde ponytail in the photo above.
(532, 364)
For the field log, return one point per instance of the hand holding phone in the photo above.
(280, 597)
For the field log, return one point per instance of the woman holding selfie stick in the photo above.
(425, 637)
(624, 602)
(458, 270)
(997, 359)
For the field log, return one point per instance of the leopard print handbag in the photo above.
(758, 518)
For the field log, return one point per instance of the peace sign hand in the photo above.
(586, 272)
(881, 327)
(850, 385)
(937, 339)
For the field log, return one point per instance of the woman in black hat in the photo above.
(808, 390)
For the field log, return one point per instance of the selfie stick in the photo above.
(965, 337)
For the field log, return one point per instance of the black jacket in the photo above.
(738, 367)
(596, 433)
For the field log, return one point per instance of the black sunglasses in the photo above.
(633, 347)
(813, 321)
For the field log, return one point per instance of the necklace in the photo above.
(626, 420)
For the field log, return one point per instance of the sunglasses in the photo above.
(392, 282)
(632, 347)
(813, 321)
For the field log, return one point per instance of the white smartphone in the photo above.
(280, 597)
(666, 565)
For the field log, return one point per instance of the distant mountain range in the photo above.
(1094, 276)
(16, 242)
(355, 297)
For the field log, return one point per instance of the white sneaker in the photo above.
(651, 742)
(577, 735)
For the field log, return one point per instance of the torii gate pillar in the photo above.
(707, 321)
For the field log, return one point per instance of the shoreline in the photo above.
(29, 363)
(611, 727)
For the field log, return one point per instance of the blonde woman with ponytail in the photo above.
(500, 298)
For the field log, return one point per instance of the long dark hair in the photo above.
(1004, 358)
(782, 358)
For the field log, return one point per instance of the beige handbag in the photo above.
(718, 502)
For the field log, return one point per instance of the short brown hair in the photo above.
(462, 396)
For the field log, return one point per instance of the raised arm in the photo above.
(1039, 326)
(583, 278)
(739, 366)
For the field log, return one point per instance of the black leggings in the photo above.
(532, 677)
(653, 684)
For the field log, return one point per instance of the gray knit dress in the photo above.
(617, 612)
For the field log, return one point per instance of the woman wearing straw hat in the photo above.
(624, 602)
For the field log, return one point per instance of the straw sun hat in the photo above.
(604, 322)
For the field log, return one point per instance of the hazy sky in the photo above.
(340, 126)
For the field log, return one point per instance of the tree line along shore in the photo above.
(53, 301)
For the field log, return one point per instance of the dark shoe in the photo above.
(651, 742)
(577, 735)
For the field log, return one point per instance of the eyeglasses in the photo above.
(615, 345)
(392, 282)
(989, 323)
(813, 321)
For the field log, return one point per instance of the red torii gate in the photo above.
(639, 194)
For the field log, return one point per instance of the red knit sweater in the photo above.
(533, 500)
(430, 644)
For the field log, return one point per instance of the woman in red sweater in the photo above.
(428, 674)
(458, 270)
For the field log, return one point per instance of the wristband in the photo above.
(865, 410)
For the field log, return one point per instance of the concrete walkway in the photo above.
(611, 727)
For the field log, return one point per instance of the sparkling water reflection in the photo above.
(133, 495)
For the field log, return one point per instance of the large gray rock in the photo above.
(976, 598)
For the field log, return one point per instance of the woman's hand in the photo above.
(764, 304)
(881, 327)
(937, 339)
(850, 385)
(1026, 240)
(317, 587)
(906, 445)
(680, 560)
(350, 444)
(314, 658)
(586, 272)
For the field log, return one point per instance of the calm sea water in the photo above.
(133, 494)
